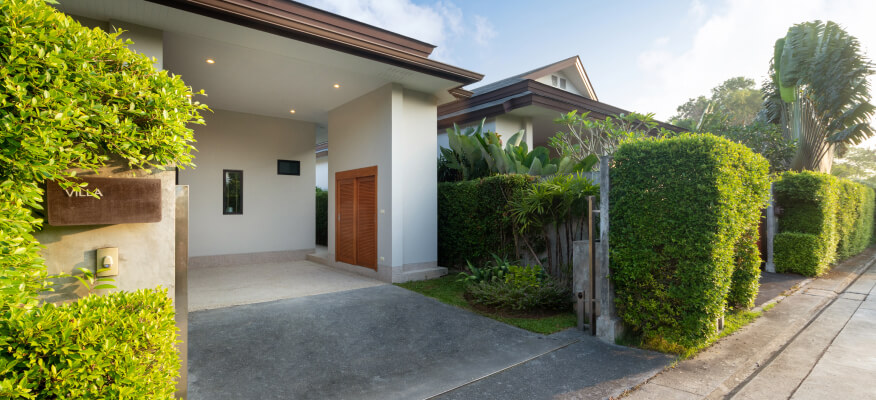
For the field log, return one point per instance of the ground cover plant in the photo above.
(824, 219)
(684, 216)
(450, 289)
(321, 217)
(75, 98)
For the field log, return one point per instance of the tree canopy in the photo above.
(735, 102)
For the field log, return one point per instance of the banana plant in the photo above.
(476, 153)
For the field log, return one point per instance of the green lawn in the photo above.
(448, 290)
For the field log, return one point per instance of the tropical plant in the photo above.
(586, 137)
(554, 212)
(544, 295)
(476, 153)
(493, 270)
(819, 93)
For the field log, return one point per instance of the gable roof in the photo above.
(571, 62)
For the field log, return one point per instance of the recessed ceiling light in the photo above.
(291, 111)
(337, 86)
(211, 61)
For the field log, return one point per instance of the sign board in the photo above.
(122, 201)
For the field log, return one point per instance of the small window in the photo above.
(288, 167)
(562, 83)
(232, 192)
(554, 80)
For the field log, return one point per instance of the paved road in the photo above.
(386, 342)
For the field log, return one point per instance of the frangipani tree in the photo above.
(819, 92)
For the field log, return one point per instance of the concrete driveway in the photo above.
(385, 342)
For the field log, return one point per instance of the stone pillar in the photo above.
(608, 326)
(772, 225)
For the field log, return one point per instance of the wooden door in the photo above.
(346, 215)
(356, 221)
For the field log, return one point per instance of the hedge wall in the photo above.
(116, 346)
(473, 221)
(321, 217)
(684, 217)
(837, 214)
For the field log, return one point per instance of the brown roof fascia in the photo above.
(314, 26)
(460, 93)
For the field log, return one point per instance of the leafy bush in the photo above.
(494, 270)
(473, 221)
(72, 98)
(118, 346)
(553, 212)
(522, 276)
(801, 253)
(321, 217)
(683, 211)
(837, 212)
(547, 295)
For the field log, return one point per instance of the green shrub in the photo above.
(683, 210)
(746, 274)
(801, 253)
(837, 212)
(473, 222)
(321, 217)
(519, 277)
(547, 295)
(117, 346)
(73, 98)
(493, 270)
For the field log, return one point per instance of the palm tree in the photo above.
(819, 92)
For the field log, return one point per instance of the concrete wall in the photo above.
(278, 210)
(146, 251)
(360, 135)
(394, 129)
(419, 171)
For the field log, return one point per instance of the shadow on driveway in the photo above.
(386, 342)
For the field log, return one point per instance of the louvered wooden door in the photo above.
(356, 220)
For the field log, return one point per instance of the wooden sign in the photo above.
(122, 201)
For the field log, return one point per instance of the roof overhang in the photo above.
(311, 25)
(524, 94)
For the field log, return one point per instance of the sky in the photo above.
(641, 56)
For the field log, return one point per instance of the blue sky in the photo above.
(641, 56)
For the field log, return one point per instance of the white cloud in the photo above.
(484, 31)
(435, 23)
(736, 39)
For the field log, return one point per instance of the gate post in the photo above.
(771, 229)
(181, 288)
(608, 326)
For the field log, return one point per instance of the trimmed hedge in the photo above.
(837, 213)
(473, 222)
(116, 346)
(684, 217)
(321, 217)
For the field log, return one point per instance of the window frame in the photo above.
(225, 173)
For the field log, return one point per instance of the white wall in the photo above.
(419, 187)
(360, 135)
(570, 87)
(322, 173)
(278, 210)
(394, 129)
